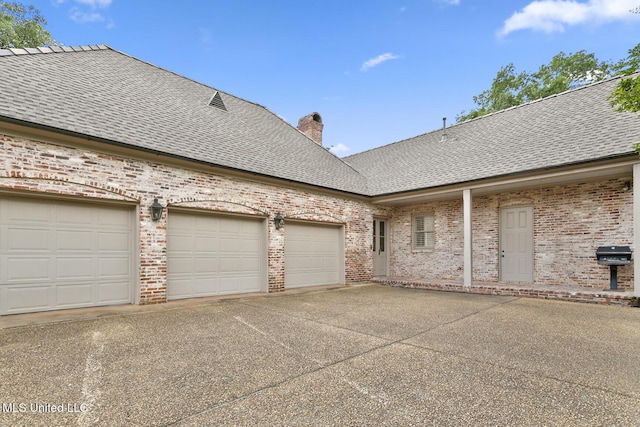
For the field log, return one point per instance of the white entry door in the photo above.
(379, 247)
(516, 244)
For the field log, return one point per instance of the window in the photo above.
(424, 231)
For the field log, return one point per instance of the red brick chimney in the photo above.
(311, 125)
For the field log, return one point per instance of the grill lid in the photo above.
(614, 250)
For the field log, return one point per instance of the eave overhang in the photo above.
(610, 167)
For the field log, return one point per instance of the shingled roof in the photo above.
(571, 128)
(99, 92)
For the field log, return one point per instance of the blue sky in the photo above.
(377, 71)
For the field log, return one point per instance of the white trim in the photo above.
(468, 237)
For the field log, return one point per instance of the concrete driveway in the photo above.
(362, 355)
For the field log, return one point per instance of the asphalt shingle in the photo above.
(97, 91)
(570, 128)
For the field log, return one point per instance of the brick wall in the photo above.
(59, 169)
(573, 222)
(570, 222)
(445, 260)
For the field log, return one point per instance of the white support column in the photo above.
(636, 229)
(468, 241)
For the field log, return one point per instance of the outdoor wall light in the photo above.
(278, 221)
(156, 210)
(627, 186)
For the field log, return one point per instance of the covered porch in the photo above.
(575, 210)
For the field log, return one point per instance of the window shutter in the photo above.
(423, 231)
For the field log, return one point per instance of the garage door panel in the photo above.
(230, 264)
(22, 299)
(113, 267)
(28, 269)
(181, 243)
(113, 293)
(115, 219)
(23, 211)
(77, 215)
(74, 268)
(247, 244)
(303, 262)
(230, 284)
(231, 245)
(181, 288)
(202, 287)
(204, 265)
(251, 264)
(212, 254)
(25, 239)
(304, 278)
(314, 255)
(68, 240)
(180, 264)
(59, 254)
(114, 241)
(205, 244)
(74, 295)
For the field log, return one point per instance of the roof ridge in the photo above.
(14, 51)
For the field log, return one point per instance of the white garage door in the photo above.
(214, 254)
(314, 255)
(56, 254)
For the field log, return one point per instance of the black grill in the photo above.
(613, 256)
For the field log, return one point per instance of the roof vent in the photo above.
(216, 101)
(444, 129)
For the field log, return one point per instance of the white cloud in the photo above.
(81, 17)
(86, 12)
(339, 149)
(451, 2)
(373, 62)
(96, 3)
(102, 4)
(554, 15)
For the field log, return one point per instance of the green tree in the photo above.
(22, 26)
(626, 95)
(564, 72)
(505, 92)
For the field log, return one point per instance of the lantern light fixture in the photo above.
(156, 210)
(278, 221)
